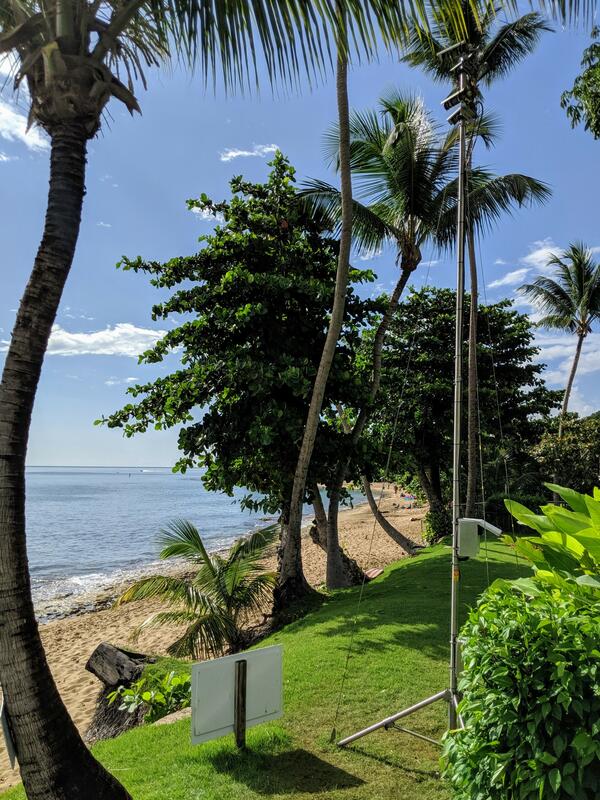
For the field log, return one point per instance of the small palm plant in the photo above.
(216, 601)
(569, 301)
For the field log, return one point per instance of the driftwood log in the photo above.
(114, 667)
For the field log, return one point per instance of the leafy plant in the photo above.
(170, 693)
(582, 101)
(531, 704)
(565, 553)
(213, 604)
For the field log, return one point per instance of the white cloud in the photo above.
(13, 126)
(207, 216)
(124, 339)
(113, 381)
(579, 403)
(501, 262)
(259, 150)
(510, 279)
(558, 349)
(539, 254)
(104, 224)
(4, 158)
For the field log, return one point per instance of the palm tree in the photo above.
(213, 604)
(569, 301)
(75, 56)
(493, 49)
(406, 189)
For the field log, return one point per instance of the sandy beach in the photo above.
(69, 642)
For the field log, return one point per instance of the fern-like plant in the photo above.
(214, 603)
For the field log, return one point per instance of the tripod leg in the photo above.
(444, 695)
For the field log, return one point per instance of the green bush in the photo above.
(565, 550)
(531, 700)
(438, 524)
(160, 696)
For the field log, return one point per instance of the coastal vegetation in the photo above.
(297, 378)
(213, 604)
(399, 654)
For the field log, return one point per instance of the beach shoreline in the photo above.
(70, 640)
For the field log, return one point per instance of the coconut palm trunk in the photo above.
(55, 764)
(292, 584)
(565, 405)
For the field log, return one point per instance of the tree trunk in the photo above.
(565, 405)
(363, 415)
(399, 538)
(336, 576)
(472, 411)
(55, 764)
(434, 496)
(320, 518)
(291, 583)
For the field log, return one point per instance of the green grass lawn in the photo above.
(399, 657)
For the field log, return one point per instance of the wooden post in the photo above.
(239, 720)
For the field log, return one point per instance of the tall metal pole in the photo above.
(460, 295)
(450, 695)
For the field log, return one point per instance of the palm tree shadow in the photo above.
(289, 772)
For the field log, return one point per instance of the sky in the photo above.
(189, 140)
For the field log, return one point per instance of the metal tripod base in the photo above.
(390, 722)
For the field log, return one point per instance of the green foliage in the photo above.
(417, 382)
(159, 697)
(569, 298)
(582, 101)
(213, 604)
(574, 459)
(566, 551)
(400, 655)
(256, 301)
(530, 704)
(405, 186)
(438, 523)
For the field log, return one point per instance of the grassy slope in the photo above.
(399, 657)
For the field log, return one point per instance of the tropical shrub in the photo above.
(212, 605)
(573, 457)
(565, 552)
(531, 700)
(159, 697)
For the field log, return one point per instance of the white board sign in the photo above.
(213, 692)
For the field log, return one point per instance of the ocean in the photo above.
(89, 528)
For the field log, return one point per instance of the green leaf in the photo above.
(554, 779)
(575, 499)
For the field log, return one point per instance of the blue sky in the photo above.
(188, 141)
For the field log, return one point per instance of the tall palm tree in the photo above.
(569, 301)
(494, 49)
(406, 190)
(74, 56)
(213, 604)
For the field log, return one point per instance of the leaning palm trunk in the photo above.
(54, 762)
(472, 410)
(292, 584)
(355, 432)
(403, 541)
(565, 405)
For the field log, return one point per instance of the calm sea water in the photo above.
(88, 527)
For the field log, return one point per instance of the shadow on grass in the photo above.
(414, 598)
(396, 762)
(290, 772)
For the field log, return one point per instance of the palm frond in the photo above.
(369, 229)
(181, 539)
(165, 587)
(489, 197)
(511, 44)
